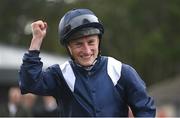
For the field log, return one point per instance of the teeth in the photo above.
(86, 57)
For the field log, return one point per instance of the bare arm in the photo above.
(39, 32)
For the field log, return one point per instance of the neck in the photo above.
(87, 67)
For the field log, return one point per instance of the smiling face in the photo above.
(84, 50)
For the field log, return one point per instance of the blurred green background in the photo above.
(142, 33)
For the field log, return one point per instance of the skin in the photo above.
(39, 29)
(84, 50)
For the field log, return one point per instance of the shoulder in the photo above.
(114, 69)
(65, 66)
(60, 66)
(114, 64)
(111, 60)
(130, 76)
(128, 71)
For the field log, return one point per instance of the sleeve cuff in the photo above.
(33, 52)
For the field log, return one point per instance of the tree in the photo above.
(142, 33)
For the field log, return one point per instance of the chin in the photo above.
(86, 64)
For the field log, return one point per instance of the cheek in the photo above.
(97, 48)
(73, 51)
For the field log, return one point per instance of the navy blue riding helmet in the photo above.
(77, 23)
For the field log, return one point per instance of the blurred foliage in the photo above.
(142, 33)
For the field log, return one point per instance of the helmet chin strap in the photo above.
(69, 53)
(87, 67)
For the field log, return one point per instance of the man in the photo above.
(89, 84)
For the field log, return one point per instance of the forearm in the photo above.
(35, 44)
(142, 105)
(30, 70)
(39, 32)
(32, 78)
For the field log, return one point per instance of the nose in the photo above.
(86, 48)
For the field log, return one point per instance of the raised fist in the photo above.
(39, 32)
(39, 29)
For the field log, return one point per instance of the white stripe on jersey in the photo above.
(114, 69)
(68, 75)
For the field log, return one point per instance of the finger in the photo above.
(38, 24)
(45, 25)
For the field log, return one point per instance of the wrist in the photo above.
(35, 44)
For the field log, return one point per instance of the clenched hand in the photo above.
(39, 29)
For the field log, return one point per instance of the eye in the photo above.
(77, 44)
(91, 42)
